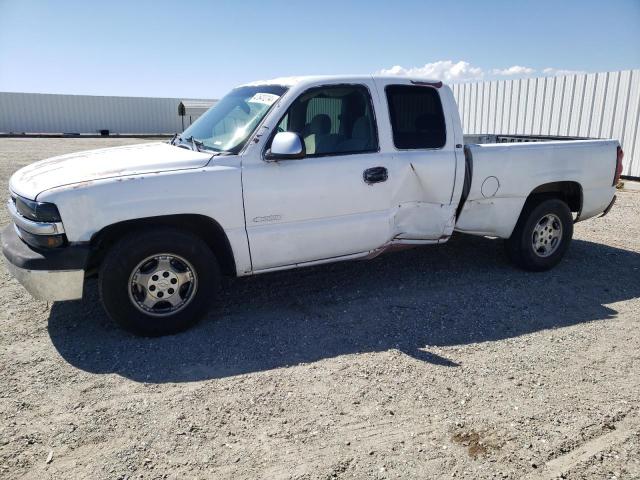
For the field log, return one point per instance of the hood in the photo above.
(91, 165)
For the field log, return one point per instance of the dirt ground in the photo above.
(439, 362)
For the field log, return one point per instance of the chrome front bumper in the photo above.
(57, 274)
(49, 284)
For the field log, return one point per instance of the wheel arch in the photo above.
(205, 227)
(568, 191)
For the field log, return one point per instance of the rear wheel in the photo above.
(158, 282)
(542, 235)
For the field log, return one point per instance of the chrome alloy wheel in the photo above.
(547, 235)
(162, 285)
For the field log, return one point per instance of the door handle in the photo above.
(375, 175)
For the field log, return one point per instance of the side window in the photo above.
(333, 120)
(416, 116)
(325, 106)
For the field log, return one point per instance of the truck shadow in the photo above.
(460, 293)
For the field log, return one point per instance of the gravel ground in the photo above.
(438, 362)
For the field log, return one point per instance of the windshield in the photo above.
(229, 123)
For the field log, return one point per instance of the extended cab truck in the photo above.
(288, 173)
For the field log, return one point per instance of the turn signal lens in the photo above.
(42, 241)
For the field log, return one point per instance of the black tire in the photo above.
(520, 246)
(125, 256)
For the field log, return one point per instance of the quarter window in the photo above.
(416, 116)
(333, 120)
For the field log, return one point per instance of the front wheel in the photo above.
(541, 236)
(158, 282)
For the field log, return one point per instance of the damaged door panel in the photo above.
(421, 214)
(417, 131)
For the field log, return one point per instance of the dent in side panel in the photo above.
(417, 215)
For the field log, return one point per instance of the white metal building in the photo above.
(49, 113)
(596, 105)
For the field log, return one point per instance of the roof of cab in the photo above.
(291, 81)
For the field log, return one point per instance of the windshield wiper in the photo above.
(196, 144)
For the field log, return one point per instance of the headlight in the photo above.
(34, 222)
(38, 211)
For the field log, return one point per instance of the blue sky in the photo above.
(204, 48)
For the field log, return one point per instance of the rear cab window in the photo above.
(417, 118)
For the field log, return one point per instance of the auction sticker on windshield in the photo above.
(266, 98)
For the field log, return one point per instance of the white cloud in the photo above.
(461, 71)
(516, 70)
(441, 70)
(559, 71)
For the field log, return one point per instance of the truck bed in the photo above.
(504, 170)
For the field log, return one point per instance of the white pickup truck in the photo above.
(288, 173)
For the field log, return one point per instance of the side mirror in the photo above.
(286, 146)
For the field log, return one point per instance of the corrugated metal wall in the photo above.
(597, 105)
(49, 113)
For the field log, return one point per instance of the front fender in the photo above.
(214, 191)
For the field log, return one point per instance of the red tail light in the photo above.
(619, 158)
